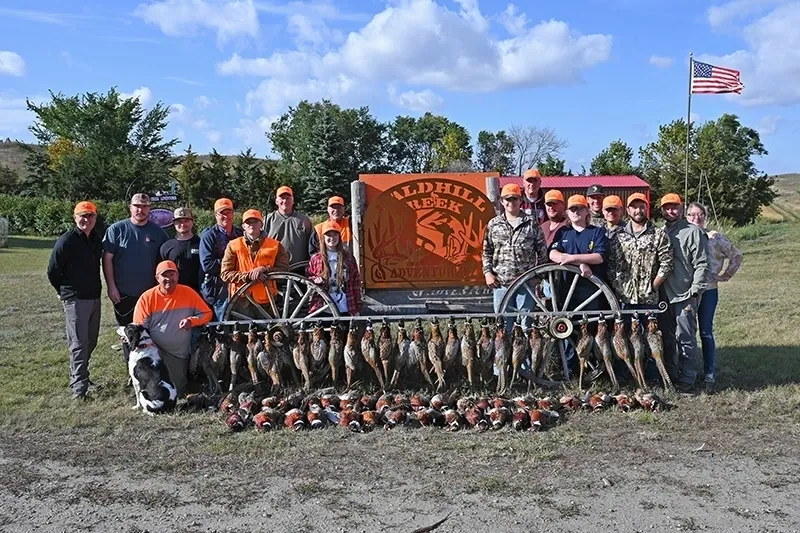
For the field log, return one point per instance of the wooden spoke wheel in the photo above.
(554, 288)
(290, 304)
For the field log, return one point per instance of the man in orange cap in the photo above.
(213, 242)
(169, 311)
(683, 289)
(533, 199)
(74, 272)
(581, 245)
(556, 214)
(612, 212)
(251, 257)
(291, 228)
(512, 244)
(336, 212)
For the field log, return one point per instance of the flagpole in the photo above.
(688, 130)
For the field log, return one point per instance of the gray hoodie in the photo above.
(690, 274)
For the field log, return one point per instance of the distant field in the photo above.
(787, 206)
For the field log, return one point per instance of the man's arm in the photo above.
(488, 251)
(55, 268)
(202, 313)
(108, 273)
(666, 261)
(229, 268)
(313, 244)
(142, 310)
(281, 260)
(209, 262)
(540, 245)
(700, 263)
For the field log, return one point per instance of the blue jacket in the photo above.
(213, 242)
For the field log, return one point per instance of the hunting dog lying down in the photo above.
(154, 391)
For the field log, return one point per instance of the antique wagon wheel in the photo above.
(562, 279)
(290, 304)
(299, 268)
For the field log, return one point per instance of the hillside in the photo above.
(787, 205)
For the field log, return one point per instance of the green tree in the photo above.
(9, 181)
(552, 166)
(216, 177)
(431, 143)
(616, 160)
(495, 152)
(253, 182)
(97, 146)
(189, 176)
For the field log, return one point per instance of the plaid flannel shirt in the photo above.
(352, 284)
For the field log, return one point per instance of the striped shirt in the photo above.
(162, 313)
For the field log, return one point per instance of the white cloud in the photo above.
(769, 124)
(11, 63)
(420, 101)
(203, 101)
(143, 94)
(770, 66)
(253, 133)
(184, 80)
(213, 136)
(513, 21)
(737, 9)
(661, 61)
(423, 44)
(228, 18)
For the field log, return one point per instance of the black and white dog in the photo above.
(154, 391)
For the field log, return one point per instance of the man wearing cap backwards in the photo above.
(612, 212)
(251, 257)
(74, 272)
(556, 215)
(131, 249)
(184, 249)
(213, 242)
(533, 203)
(512, 244)
(336, 216)
(169, 311)
(595, 195)
(683, 288)
(291, 228)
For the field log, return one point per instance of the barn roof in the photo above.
(576, 182)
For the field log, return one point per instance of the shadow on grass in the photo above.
(31, 243)
(756, 367)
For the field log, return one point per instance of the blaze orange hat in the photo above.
(330, 226)
(553, 196)
(577, 200)
(532, 173)
(252, 213)
(222, 204)
(284, 190)
(671, 198)
(81, 208)
(335, 200)
(165, 266)
(637, 196)
(612, 201)
(510, 189)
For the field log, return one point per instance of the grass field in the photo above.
(727, 461)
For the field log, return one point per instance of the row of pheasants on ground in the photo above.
(362, 413)
(482, 358)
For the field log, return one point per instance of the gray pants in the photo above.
(178, 368)
(83, 325)
(679, 328)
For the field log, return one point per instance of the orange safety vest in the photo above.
(344, 229)
(264, 257)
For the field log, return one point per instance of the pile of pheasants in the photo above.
(481, 359)
(363, 413)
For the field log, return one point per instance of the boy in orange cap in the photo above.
(612, 212)
(336, 215)
(292, 228)
(74, 272)
(213, 242)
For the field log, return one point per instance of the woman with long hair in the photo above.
(334, 269)
(719, 249)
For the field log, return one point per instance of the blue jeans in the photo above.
(522, 302)
(705, 320)
(219, 309)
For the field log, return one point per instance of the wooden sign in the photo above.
(424, 230)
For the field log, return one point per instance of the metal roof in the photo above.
(569, 182)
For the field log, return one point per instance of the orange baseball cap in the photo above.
(284, 190)
(532, 173)
(553, 195)
(612, 201)
(510, 189)
(330, 226)
(577, 200)
(222, 204)
(165, 266)
(671, 198)
(334, 200)
(81, 208)
(638, 196)
(252, 213)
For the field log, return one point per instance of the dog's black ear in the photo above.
(134, 334)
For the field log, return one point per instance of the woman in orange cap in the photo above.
(335, 270)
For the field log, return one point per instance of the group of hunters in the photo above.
(172, 286)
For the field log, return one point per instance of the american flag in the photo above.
(710, 79)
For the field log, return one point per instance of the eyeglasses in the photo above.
(511, 198)
(695, 215)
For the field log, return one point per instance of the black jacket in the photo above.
(74, 268)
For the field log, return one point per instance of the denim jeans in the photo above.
(705, 319)
(219, 310)
(522, 302)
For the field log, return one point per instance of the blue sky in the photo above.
(593, 70)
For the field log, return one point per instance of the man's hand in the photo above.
(564, 259)
(113, 294)
(586, 271)
(491, 280)
(185, 324)
(257, 272)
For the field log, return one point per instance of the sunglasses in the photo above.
(511, 198)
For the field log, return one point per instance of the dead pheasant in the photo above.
(621, 348)
(335, 351)
(519, 348)
(486, 354)
(604, 345)
(238, 354)
(201, 360)
(417, 352)
(386, 348)
(501, 350)
(269, 361)
(583, 349)
(402, 358)
(436, 353)
(370, 353)
(452, 350)
(254, 347)
(351, 353)
(537, 344)
(319, 354)
(469, 352)
(656, 344)
(639, 351)
(302, 355)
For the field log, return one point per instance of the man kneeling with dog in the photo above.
(169, 311)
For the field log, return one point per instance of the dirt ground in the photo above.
(734, 471)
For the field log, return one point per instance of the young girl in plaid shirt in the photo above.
(335, 270)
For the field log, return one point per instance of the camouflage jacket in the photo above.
(634, 262)
(509, 251)
(597, 219)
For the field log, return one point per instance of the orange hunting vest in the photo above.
(264, 257)
(344, 228)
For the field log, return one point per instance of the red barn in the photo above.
(622, 186)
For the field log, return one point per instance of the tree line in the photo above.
(105, 147)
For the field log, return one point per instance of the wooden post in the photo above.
(358, 199)
(493, 193)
